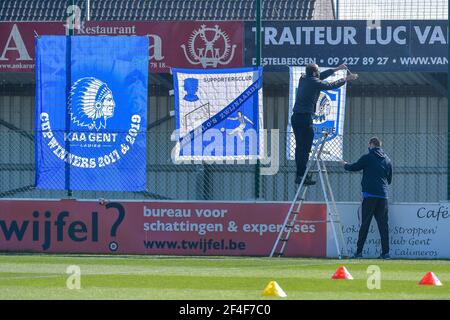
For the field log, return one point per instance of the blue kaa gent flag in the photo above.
(329, 117)
(219, 114)
(103, 139)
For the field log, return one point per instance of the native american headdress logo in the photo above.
(323, 108)
(91, 103)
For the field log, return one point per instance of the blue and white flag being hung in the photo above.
(218, 114)
(329, 117)
(91, 112)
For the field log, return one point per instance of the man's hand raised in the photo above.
(351, 77)
(341, 67)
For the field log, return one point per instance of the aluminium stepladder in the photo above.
(293, 214)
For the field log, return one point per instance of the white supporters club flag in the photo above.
(330, 115)
(218, 114)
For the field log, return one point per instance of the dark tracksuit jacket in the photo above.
(377, 174)
(308, 93)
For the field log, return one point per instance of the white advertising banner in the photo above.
(416, 231)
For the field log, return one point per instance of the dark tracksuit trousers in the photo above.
(378, 208)
(302, 126)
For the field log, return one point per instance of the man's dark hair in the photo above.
(375, 141)
(310, 69)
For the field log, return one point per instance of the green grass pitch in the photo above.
(34, 276)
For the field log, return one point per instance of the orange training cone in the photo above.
(430, 279)
(342, 273)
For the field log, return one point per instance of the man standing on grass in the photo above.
(377, 174)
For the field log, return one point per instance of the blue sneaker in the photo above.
(385, 256)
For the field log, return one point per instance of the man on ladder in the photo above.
(308, 92)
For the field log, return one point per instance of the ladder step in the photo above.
(278, 254)
(312, 221)
(315, 221)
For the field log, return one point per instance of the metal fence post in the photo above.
(258, 63)
(70, 27)
(448, 144)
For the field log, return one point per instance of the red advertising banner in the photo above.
(193, 44)
(169, 228)
(17, 43)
